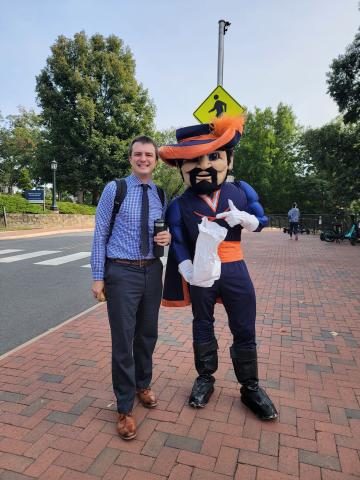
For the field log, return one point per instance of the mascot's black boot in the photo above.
(253, 396)
(206, 363)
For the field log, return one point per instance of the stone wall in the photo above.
(53, 220)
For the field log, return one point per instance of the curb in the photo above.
(29, 342)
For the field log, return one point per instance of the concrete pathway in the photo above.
(40, 232)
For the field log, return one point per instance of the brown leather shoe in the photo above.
(126, 426)
(147, 397)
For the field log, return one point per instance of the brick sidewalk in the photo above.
(57, 406)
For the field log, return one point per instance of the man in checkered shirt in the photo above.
(125, 270)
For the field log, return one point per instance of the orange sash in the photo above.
(230, 252)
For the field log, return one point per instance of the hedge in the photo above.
(18, 204)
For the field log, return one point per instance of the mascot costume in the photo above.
(204, 155)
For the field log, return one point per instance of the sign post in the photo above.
(223, 28)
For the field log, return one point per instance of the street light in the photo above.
(54, 207)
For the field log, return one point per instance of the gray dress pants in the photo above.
(133, 301)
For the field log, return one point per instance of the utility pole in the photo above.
(223, 28)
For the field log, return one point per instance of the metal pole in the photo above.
(223, 27)
(54, 206)
(220, 72)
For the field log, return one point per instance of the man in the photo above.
(294, 215)
(125, 271)
(204, 154)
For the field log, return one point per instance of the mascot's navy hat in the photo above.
(222, 133)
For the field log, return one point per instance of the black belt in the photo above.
(139, 263)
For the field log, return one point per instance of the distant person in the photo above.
(219, 106)
(294, 215)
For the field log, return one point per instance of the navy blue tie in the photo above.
(144, 245)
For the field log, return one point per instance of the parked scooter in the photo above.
(337, 232)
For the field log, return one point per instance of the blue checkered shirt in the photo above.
(124, 241)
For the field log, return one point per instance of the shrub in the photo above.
(69, 207)
(18, 204)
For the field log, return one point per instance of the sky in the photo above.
(274, 51)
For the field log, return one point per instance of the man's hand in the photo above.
(163, 238)
(238, 217)
(186, 269)
(98, 290)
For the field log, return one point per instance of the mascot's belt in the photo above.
(230, 252)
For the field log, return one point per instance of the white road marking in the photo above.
(65, 259)
(9, 250)
(24, 256)
(86, 266)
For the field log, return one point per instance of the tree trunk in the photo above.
(80, 196)
(95, 197)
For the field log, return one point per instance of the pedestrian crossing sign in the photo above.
(216, 104)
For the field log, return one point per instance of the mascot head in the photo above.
(204, 153)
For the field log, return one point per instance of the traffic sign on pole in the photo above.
(219, 102)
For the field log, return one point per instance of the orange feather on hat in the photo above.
(223, 123)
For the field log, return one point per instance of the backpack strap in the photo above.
(161, 194)
(121, 190)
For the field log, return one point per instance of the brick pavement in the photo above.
(57, 406)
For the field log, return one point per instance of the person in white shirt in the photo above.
(294, 215)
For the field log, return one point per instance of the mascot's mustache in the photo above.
(204, 186)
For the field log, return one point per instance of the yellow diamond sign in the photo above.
(216, 104)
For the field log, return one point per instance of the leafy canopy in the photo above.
(344, 81)
(92, 107)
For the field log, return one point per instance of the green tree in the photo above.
(92, 107)
(344, 81)
(332, 154)
(168, 178)
(266, 156)
(20, 137)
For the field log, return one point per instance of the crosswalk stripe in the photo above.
(65, 259)
(9, 250)
(24, 256)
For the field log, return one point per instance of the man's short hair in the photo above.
(294, 205)
(144, 139)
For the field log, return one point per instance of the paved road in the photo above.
(43, 281)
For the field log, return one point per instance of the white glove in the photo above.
(239, 217)
(186, 269)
